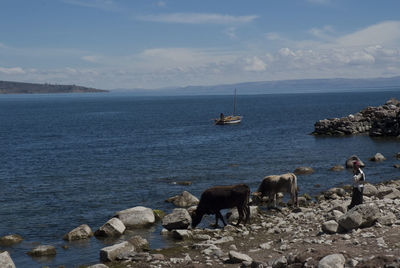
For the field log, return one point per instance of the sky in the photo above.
(124, 44)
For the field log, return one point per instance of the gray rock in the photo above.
(113, 227)
(237, 257)
(99, 265)
(364, 215)
(184, 200)
(337, 168)
(388, 219)
(136, 217)
(6, 261)
(43, 250)
(116, 251)
(81, 232)
(351, 159)
(10, 240)
(395, 194)
(330, 227)
(332, 261)
(303, 171)
(280, 262)
(139, 243)
(378, 157)
(233, 216)
(178, 219)
(181, 234)
(370, 190)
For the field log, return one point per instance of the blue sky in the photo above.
(113, 44)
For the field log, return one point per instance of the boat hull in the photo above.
(231, 120)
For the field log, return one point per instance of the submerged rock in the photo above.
(43, 250)
(10, 240)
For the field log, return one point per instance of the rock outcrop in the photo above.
(376, 121)
(136, 217)
(81, 232)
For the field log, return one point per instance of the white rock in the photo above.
(237, 257)
(332, 261)
(113, 227)
(136, 217)
(113, 252)
(6, 261)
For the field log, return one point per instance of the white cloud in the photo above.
(198, 18)
(108, 5)
(12, 71)
(92, 58)
(255, 64)
(386, 33)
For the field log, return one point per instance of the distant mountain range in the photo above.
(7, 87)
(283, 86)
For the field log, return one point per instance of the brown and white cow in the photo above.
(273, 184)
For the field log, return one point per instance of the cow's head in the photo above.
(196, 218)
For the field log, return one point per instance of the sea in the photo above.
(72, 159)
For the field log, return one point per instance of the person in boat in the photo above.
(358, 185)
(221, 116)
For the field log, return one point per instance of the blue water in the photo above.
(71, 159)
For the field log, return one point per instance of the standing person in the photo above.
(358, 185)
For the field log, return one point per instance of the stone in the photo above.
(116, 251)
(139, 243)
(351, 159)
(81, 232)
(337, 168)
(185, 199)
(10, 240)
(181, 234)
(6, 261)
(361, 216)
(332, 261)
(113, 227)
(303, 171)
(378, 157)
(158, 214)
(330, 227)
(395, 194)
(370, 190)
(233, 216)
(237, 257)
(43, 250)
(136, 217)
(99, 265)
(178, 219)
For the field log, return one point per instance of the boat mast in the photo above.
(234, 103)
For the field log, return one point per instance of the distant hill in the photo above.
(282, 86)
(7, 87)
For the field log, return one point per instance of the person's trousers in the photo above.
(357, 197)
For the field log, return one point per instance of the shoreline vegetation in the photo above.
(7, 87)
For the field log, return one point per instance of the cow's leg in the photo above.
(247, 212)
(221, 217)
(240, 211)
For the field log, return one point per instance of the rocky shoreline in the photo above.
(319, 233)
(380, 121)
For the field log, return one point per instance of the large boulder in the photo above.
(43, 250)
(330, 227)
(178, 219)
(117, 251)
(10, 240)
(6, 261)
(351, 159)
(81, 232)
(136, 217)
(185, 199)
(364, 215)
(113, 227)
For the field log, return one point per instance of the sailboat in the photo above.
(230, 119)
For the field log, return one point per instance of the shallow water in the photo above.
(78, 158)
